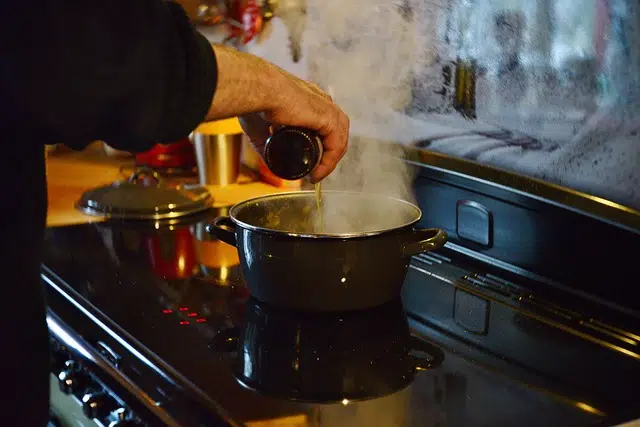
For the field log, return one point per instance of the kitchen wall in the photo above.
(560, 76)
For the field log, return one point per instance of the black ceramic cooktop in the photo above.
(181, 295)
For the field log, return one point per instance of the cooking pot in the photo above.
(326, 357)
(358, 259)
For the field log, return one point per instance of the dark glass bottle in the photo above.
(293, 152)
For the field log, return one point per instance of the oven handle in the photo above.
(112, 378)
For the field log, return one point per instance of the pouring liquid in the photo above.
(319, 208)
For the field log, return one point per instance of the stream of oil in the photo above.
(319, 208)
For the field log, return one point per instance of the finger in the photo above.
(317, 89)
(345, 126)
(327, 165)
(257, 129)
(335, 141)
(320, 173)
(335, 145)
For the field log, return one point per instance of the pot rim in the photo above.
(239, 206)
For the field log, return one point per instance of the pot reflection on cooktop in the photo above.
(325, 358)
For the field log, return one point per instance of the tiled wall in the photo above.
(376, 58)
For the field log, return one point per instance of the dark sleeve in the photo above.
(129, 72)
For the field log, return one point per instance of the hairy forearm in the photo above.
(246, 84)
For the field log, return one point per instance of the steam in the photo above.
(376, 58)
(381, 60)
(360, 52)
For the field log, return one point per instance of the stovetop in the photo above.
(176, 296)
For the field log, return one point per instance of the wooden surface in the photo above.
(292, 421)
(70, 174)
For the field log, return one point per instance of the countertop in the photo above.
(71, 173)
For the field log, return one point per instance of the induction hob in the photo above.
(166, 307)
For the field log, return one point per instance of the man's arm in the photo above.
(266, 95)
(134, 73)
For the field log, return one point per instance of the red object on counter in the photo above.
(247, 15)
(179, 155)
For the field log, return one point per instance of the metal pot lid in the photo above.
(144, 199)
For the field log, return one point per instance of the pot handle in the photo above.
(219, 228)
(423, 240)
(425, 355)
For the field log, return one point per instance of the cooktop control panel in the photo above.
(75, 381)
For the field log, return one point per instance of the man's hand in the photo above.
(263, 95)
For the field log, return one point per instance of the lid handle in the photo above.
(141, 173)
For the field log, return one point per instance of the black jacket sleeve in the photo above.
(129, 72)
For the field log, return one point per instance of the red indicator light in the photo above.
(185, 322)
(184, 309)
(201, 320)
(167, 311)
(193, 314)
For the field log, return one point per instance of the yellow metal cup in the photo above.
(218, 148)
